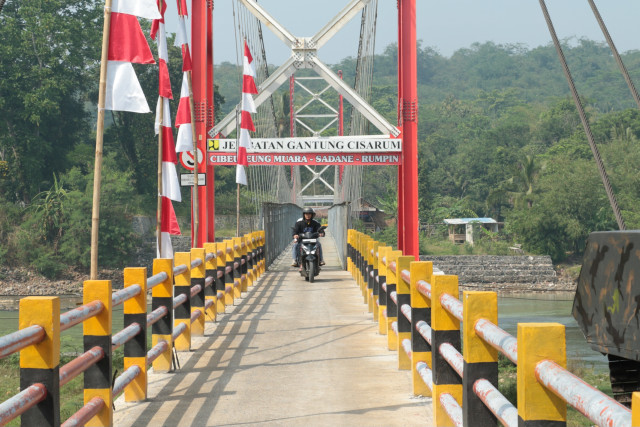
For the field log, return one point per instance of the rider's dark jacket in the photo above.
(303, 226)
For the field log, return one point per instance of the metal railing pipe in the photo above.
(497, 338)
(406, 310)
(124, 294)
(88, 411)
(125, 379)
(18, 340)
(179, 269)
(195, 290)
(80, 314)
(452, 305)
(406, 276)
(179, 300)
(127, 334)
(425, 373)
(80, 364)
(589, 401)
(452, 408)
(424, 288)
(196, 263)
(195, 314)
(406, 346)
(424, 330)
(156, 279)
(156, 315)
(496, 402)
(156, 351)
(453, 357)
(178, 330)
(22, 402)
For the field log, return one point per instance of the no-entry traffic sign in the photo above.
(187, 160)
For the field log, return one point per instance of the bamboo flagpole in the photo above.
(97, 172)
(159, 205)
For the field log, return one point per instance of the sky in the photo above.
(444, 25)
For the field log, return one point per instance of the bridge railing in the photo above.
(278, 222)
(185, 291)
(427, 325)
(339, 223)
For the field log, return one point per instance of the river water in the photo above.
(512, 309)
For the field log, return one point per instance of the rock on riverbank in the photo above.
(23, 281)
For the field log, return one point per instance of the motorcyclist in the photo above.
(306, 224)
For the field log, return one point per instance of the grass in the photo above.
(507, 385)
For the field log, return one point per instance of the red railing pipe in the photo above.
(156, 351)
(156, 279)
(589, 401)
(452, 408)
(124, 294)
(22, 402)
(496, 402)
(406, 276)
(127, 334)
(156, 315)
(453, 357)
(80, 364)
(424, 288)
(425, 373)
(88, 411)
(498, 338)
(18, 340)
(80, 314)
(453, 305)
(424, 329)
(125, 379)
(179, 269)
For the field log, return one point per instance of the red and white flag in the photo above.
(182, 38)
(127, 45)
(170, 182)
(168, 226)
(157, 30)
(246, 122)
(184, 141)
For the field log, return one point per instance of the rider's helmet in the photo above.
(308, 211)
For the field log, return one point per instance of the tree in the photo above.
(48, 58)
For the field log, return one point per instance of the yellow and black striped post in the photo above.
(197, 301)
(244, 276)
(350, 251)
(370, 279)
(364, 241)
(221, 264)
(135, 350)
(229, 294)
(420, 311)
(263, 252)
(359, 238)
(249, 240)
(635, 408)
(182, 313)
(403, 292)
(382, 297)
(40, 363)
(237, 275)
(445, 328)
(480, 359)
(162, 296)
(97, 332)
(538, 406)
(392, 307)
(375, 290)
(210, 293)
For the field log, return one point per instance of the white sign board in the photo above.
(186, 179)
(333, 144)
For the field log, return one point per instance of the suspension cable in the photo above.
(583, 119)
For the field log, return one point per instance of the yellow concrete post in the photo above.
(210, 293)
(197, 301)
(182, 313)
(635, 408)
(97, 332)
(237, 275)
(375, 291)
(135, 350)
(536, 342)
(392, 307)
(162, 296)
(445, 328)
(382, 298)
(40, 363)
(420, 311)
(403, 291)
(480, 359)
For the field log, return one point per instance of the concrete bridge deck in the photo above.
(289, 353)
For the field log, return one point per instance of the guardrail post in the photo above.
(392, 307)
(263, 252)
(97, 332)
(420, 311)
(445, 328)
(221, 264)
(162, 296)
(364, 241)
(536, 404)
(210, 292)
(358, 259)
(182, 313)
(237, 285)
(197, 301)
(350, 251)
(480, 359)
(368, 279)
(382, 297)
(40, 363)
(375, 290)
(635, 408)
(403, 292)
(135, 350)
(249, 264)
(244, 277)
(228, 276)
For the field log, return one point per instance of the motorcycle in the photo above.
(307, 255)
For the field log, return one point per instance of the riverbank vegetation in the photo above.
(498, 137)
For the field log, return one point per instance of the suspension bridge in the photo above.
(234, 336)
